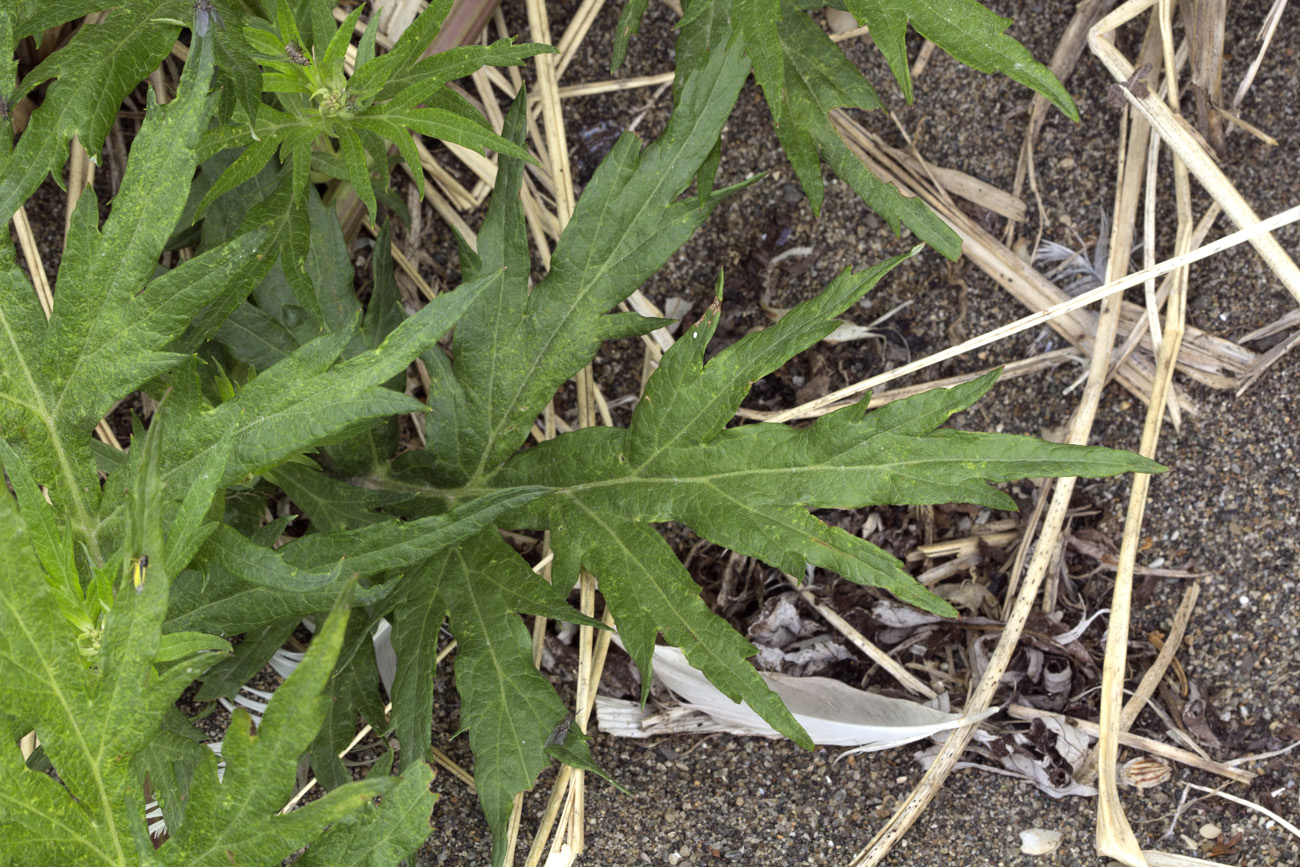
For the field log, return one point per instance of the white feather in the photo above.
(833, 713)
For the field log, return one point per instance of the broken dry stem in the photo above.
(953, 747)
(1185, 144)
(1066, 56)
(1026, 540)
(1020, 279)
(571, 41)
(895, 669)
(408, 268)
(1107, 291)
(967, 545)
(1138, 742)
(1088, 768)
(1230, 355)
(1114, 835)
(1266, 35)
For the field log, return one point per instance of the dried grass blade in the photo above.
(982, 697)
(1107, 291)
(1266, 34)
(1154, 747)
(1180, 138)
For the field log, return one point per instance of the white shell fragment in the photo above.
(1144, 772)
(1211, 831)
(1039, 841)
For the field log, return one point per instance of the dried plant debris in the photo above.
(1051, 664)
(1047, 755)
(1144, 772)
(1195, 716)
(1039, 841)
(789, 643)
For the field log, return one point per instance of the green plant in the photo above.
(804, 76)
(278, 379)
(104, 725)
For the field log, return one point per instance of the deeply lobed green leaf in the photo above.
(967, 31)
(100, 728)
(805, 76)
(319, 103)
(508, 706)
(310, 375)
(99, 66)
(105, 336)
(750, 488)
(514, 348)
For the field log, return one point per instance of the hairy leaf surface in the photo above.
(514, 348)
(235, 819)
(805, 76)
(306, 400)
(964, 29)
(95, 721)
(112, 319)
(387, 97)
(750, 488)
(99, 66)
(90, 721)
(508, 707)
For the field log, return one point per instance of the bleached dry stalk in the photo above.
(1266, 36)
(1182, 140)
(1108, 291)
(1087, 771)
(1080, 428)
(1115, 837)
(555, 145)
(571, 41)
(1031, 288)
(615, 85)
(1064, 58)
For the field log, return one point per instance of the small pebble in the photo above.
(1210, 831)
(1039, 841)
(839, 21)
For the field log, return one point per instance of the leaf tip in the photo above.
(1146, 465)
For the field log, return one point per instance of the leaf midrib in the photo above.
(579, 298)
(46, 417)
(53, 688)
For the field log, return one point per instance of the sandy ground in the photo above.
(1228, 509)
